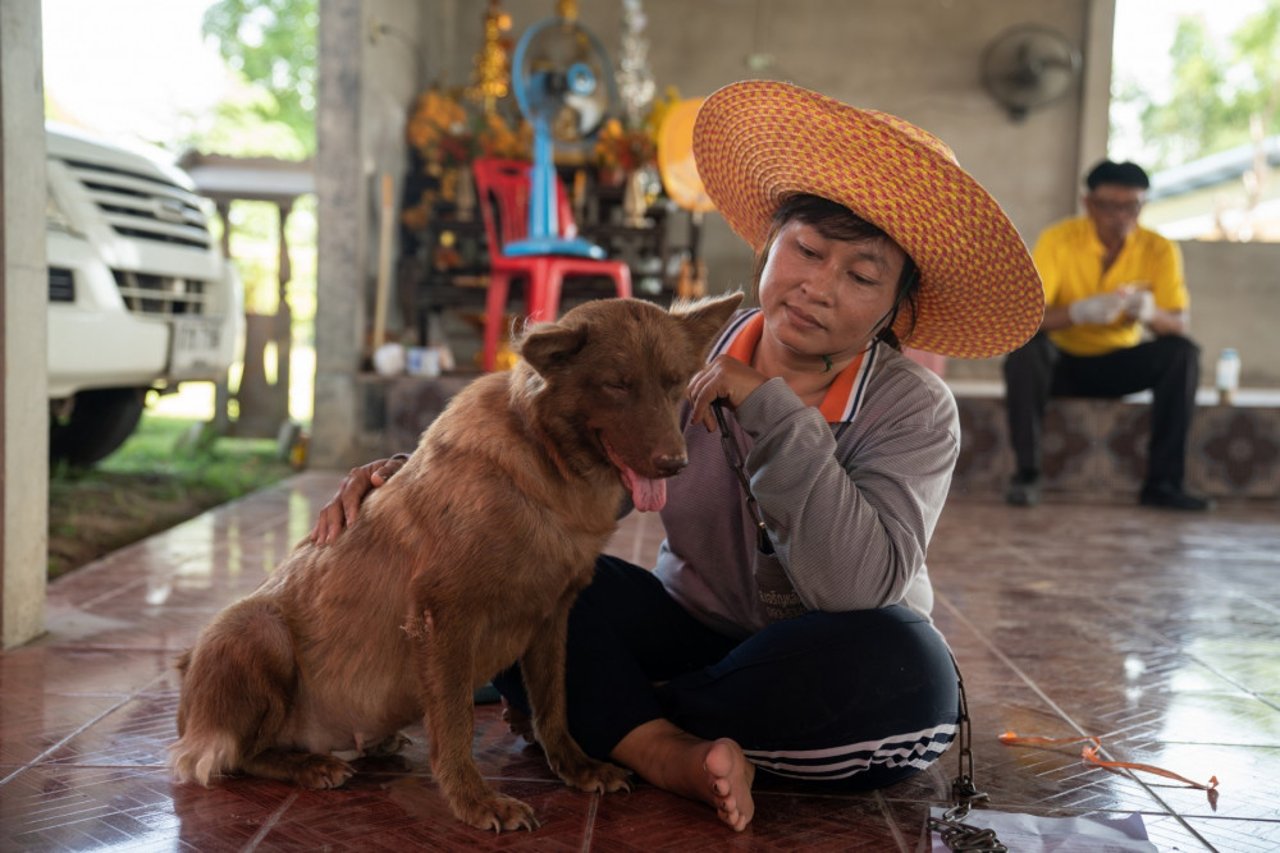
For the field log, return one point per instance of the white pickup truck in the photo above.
(140, 295)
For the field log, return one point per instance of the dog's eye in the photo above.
(617, 386)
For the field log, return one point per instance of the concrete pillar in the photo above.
(341, 260)
(24, 405)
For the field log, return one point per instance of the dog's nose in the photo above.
(668, 465)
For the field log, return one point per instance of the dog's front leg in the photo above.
(445, 663)
(543, 668)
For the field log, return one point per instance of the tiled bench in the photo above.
(1097, 449)
(1094, 449)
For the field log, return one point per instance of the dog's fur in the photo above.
(466, 561)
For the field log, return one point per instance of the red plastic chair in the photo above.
(503, 190)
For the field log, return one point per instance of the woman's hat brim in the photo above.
(759, 142)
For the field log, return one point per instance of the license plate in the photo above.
(196, 344)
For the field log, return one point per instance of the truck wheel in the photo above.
(100, 421)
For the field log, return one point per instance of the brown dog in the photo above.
(463, 563)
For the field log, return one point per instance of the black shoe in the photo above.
(1024, 490)
(1173, 497)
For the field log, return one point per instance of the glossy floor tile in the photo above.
(1157, 632)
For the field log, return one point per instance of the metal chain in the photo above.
(955, 833)
(734, 458)
(961, 836)
(963, 788)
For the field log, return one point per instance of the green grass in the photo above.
(179, 449)
(168, 471)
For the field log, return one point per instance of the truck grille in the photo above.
(62, 285)
(143, 206)
(161, 295)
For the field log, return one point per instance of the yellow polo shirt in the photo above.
(1069, 258)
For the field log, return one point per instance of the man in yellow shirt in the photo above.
(1108, 281)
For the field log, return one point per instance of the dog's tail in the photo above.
(237, 687)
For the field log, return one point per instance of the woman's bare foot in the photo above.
(730, 776)
(518, 722)
(715, 772)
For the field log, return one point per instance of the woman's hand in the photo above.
(725, 379)
(343, 508)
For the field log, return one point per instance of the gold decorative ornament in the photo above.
(635, 202)
(491, 79)
(567, 9)
(622, 148)
(438, 129)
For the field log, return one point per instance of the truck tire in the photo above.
(100, 421)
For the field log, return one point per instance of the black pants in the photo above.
(1168, 365)
(864, 698)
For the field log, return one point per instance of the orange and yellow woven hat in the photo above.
(758, 142)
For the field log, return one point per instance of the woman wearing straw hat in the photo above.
(786, 626)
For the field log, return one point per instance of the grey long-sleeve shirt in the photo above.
(850, 518)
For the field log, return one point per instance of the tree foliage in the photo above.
(1215, 94)
(272, 43)
(1257, 45)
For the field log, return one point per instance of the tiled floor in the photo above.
(1159, 632)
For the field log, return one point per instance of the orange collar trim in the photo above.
(836, 405)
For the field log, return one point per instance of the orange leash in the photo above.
(1090, 754)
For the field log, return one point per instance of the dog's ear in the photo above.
(704, 318)
(551, 345)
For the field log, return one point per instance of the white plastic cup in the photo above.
(423, 362)
(1227, 375)
(389, 360)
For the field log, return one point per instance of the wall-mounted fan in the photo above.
(562, 81)
(1029, 66)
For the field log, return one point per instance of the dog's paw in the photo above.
(497, 812)
(322, 771)
(595, 777)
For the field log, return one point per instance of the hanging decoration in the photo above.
(446, 131)
(635, 80)
(491, 78)
(440, 131)
(618, 151)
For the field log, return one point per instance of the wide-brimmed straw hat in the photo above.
(758, 142)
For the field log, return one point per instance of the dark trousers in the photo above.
(1168, 365)
(863, 698)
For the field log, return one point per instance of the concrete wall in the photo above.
(24, 407)
(1235, 302)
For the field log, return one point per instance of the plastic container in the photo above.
(1227, 376)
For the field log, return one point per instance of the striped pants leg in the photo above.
(863, 699)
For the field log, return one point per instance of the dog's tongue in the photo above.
(647, 495)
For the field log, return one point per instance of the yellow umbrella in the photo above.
(684, 186)
(675, 157)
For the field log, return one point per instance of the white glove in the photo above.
(1140, 305)
(1100, 310)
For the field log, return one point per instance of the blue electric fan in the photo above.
(562, 82)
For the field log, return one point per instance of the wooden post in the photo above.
(221, 391)
(284, 315)
(386, 223)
